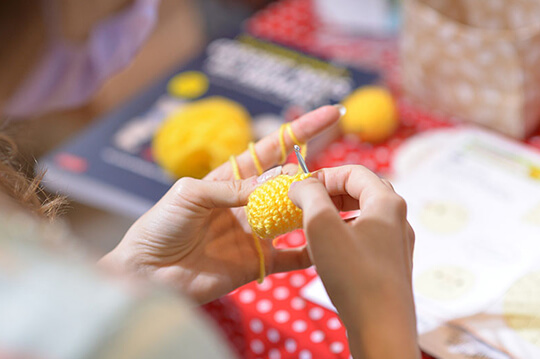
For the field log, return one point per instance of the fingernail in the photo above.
(271, 173)
(253, 180)
(342, 110)
(295, 183)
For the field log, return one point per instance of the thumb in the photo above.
(319, 212)
(213, 194)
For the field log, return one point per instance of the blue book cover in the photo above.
(110, 166)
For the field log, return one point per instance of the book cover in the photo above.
(110, 166)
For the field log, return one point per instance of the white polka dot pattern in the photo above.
(298, 303)
(247, 296)
(274, 354)
(334, 323)
(457, 59)
(266, 285)
(299, 326)
(317, 336)
(284, 324)
(297, 280)
(264, 306)
(316, 313)
(257, 346)
(256, 325)
(282, 316)
(290, 345)
(336, 347)
(273, 335)
(281, 293)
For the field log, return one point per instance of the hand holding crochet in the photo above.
(365, 264)
(197, 239)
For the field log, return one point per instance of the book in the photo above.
(109, 165)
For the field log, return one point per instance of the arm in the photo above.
(366, 264)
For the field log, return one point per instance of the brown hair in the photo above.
(22, 187)
(23, 39)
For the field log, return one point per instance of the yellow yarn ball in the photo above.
(201, 136)
(270, 211)
(371, 114)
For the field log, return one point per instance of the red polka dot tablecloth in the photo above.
(272, 320)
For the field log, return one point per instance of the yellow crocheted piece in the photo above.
(270, 211)
(264, 210)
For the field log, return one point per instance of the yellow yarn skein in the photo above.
(270, 211)
(201, 136)
(371, 114)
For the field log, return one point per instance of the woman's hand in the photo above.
(195, 238)
(365, 264)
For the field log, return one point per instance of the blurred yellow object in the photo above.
(201, 136)
(534, 172)
(371, 114)
(189, 84)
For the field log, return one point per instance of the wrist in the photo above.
(116, 261)
(381, 321)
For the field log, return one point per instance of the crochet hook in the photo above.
(301, 161)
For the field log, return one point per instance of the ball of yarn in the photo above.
(371, 114)
(201, 136)
(270, 211)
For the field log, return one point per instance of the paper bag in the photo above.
(477, 60)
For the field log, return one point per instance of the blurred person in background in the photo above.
(194, 243)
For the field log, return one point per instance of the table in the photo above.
(272, 320)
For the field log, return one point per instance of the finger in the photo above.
(290, 169)
(320, 218)
(388, 184)
(268, 149)
(345, 203)
(286, 260)
(375, 198)
(411, 237)
(271, 173)
(204, 194)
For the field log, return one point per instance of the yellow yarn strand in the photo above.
(262, 268)
(255, 158)
(270, 212)
(303, 146)
(235, 169)
(256, 240)
(282, 144)
(287, 127)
